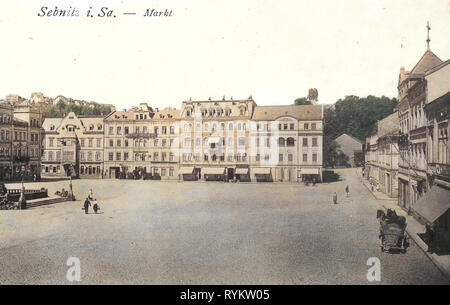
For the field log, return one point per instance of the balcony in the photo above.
(141, 135)
(21, 159)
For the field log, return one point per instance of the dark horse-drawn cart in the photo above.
(392, 231)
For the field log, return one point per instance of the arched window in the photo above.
(239, 126)
(281, 142)
(82, 170)
(290, 141)
(230, 126)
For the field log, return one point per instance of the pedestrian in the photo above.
(87, 203)
(347, 190)
(335, 198)
(91, 195)
(95, 206)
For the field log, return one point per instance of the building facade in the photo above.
(142, 143)
(238, 140)
(414, 94)
(215, 139)
(73, 146)
(20, 136)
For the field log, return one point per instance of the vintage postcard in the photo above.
(208, 142)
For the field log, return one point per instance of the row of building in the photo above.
(409, 156)
(211, 140)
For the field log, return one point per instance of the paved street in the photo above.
(155, 232)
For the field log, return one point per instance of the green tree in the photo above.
(302, 101)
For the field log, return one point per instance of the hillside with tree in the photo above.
(354, 116)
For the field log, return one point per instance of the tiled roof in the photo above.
(51, 121)
(428, 61)
(300, 112)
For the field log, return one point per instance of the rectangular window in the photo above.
(99, 142)
(119, 130)
(285, 126)
(111, 130)
(258, 157)
(111, 156)
(91, 142)
(241, 141)
(305, 158)
(171, 157)
(172, 131)
(290, 157)
(163, 172)
(313, 126)
(82, 143)
(171, 172)
(268, 142)
(314, 141)
(127, 129)
(280, 157)
(314, 157)
(126, 143)
(125, 156)
(111, 143)
(306, 126)
(119, 143)
(164, 130)
(292, 126)
(305, 142)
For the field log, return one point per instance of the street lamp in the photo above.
(22, 200)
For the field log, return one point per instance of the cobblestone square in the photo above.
(156, 232)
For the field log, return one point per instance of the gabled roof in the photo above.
(428, 61)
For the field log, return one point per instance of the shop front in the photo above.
(188, 173)
(262, 174)
(242, 174)
(213, 173)
(309, 174)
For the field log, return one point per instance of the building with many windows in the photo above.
(20, 136)
(236, 139)
(73, 146)
(142, 143)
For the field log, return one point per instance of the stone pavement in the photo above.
(413, 228)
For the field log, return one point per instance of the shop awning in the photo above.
(241, 171)
(433, 204)
(213, 170)
(309, 171)
(213, 139)
(186, 170)
(261, 170)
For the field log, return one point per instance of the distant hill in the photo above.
(61, 106)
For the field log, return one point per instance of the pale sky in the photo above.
(273, 49)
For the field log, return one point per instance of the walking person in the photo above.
(87, 203)
(335, 198)
(95, 207)
(347, 190)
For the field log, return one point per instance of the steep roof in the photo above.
(428, 61)
(348, 144)
(51, 121)
(388, 125)
(300, 112)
